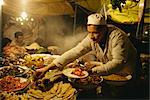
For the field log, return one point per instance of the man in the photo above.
(19, 39)
(113, 50)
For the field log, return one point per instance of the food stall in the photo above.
(18, 80)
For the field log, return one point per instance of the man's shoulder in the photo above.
(116, 33)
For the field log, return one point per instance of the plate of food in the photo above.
(87, 83)
(75, 73)
(12, 83)
(117, 80)
(39, 60)
(15, 70)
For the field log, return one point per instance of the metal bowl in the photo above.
(85, 86)
(118, 82)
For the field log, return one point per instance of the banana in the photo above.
(69, 93)
(59, 87)
(49, 96)
(24, 96)
(54, 88)
(36, 93)
(64, 89)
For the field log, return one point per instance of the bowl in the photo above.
(114, 79)
(86, 84)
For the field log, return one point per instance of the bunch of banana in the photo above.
(8, 96)
(13, 96)
(61, 91)
(37, 94)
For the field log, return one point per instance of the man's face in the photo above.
(20, 38)
(95, 35)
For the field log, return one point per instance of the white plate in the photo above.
(21, 70)
(68, 72)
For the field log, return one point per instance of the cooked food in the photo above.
(114, 77)
(78, 72)
(60, 91)
(33, 46)
(92, 79)
(11, 83)
(12, 70)
(14, 52)
(75, 73)
(37, 62)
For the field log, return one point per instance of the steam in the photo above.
(57, 31)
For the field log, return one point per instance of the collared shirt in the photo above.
(119, 54)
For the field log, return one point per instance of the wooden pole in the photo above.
(0, 32)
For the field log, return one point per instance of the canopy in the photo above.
(49, 7)
(37, 7)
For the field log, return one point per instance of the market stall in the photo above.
(18, 79)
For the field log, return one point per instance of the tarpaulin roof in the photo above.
(49, 7)
(37, 7)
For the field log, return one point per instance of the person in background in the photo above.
(6, 42)
(19, 39)
(114, 52)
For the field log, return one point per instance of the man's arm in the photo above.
(74, 53)
(68, 56)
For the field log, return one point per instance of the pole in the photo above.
(0, 32)
(140, 15)
(75, 19)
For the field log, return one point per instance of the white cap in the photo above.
(96, 19)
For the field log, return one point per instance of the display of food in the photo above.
(14, 70)
(11, 83)
(59, 91)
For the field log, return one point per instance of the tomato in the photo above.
(78, 73)
(78, 69)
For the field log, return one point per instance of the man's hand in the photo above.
(99, 70)
(91, 64)
(40, 72)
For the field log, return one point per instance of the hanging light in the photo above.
(22, 23)
(24, 18)
(32, 19)
(1, 2)
(24, 15)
